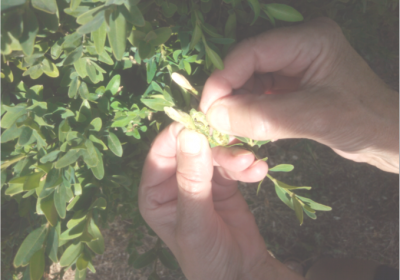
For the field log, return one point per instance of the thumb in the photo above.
(194, 174)
(275, 116)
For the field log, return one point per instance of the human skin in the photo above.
(321, 89)
(189, 196)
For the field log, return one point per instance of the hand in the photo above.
(198, 211)
(320, 89)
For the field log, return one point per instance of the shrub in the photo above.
(83, 84)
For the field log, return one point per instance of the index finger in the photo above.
(288, 51)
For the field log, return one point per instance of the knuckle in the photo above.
(190, 180)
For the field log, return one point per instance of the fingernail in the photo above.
(239, 152)
(190, 142)
(218, 117)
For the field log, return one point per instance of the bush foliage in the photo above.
(83, 82)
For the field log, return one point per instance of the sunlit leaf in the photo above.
(117, 33)
(114, 144)
(71, 254)
(282, 168)
(31, 244)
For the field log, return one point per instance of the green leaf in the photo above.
(99, 203)
(10, 134)
(31, 27)
(163, 35)
(25, 136)
(222, 41)
(145, 49)
(134, 14)
(151, 68)
(286, 186)
(92, 25)
(29, 182)
(98, 170)
(117, 33)
(7, 4)
(49, 210)
(282, 12)
(10, 161)
(282, 168)
(73, 88)
(104, 57)
(74, 232)
(91, 71)
(168, 259)
(259, 186)
(90, 156)
(31, 244)
(135, 37)
(36, 265)
(48, 6)
(14, 189)
(60, 200)
(314, 205)
(284, 196)
(114, 144)
(310, 214)
(145, 259)
(77, 218)
(255, 6)
(52, 178)
(50, 157)
(95, 124)
(89, 15)
(113, 84)
(168, 9)
(50, 69)
(94, 139)
(211, 30)
(97, 245)
(157, 102)
(11, 116)
(196, 37)
(52, 243)
(99, 37)
(73, 56)
(214, 57)
(298, 209)
(83, 261)
(84, 91)
(3, 178)
(69, 158)
(80, 67)
(74, 4)
(71, 254)
(81, 275)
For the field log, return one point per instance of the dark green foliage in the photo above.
(82, 82)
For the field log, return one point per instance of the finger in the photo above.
(278, 116)
(254, 173)
(288, 51)
(194, 174)
(161, 160)
(259, 83)
(234, 158)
